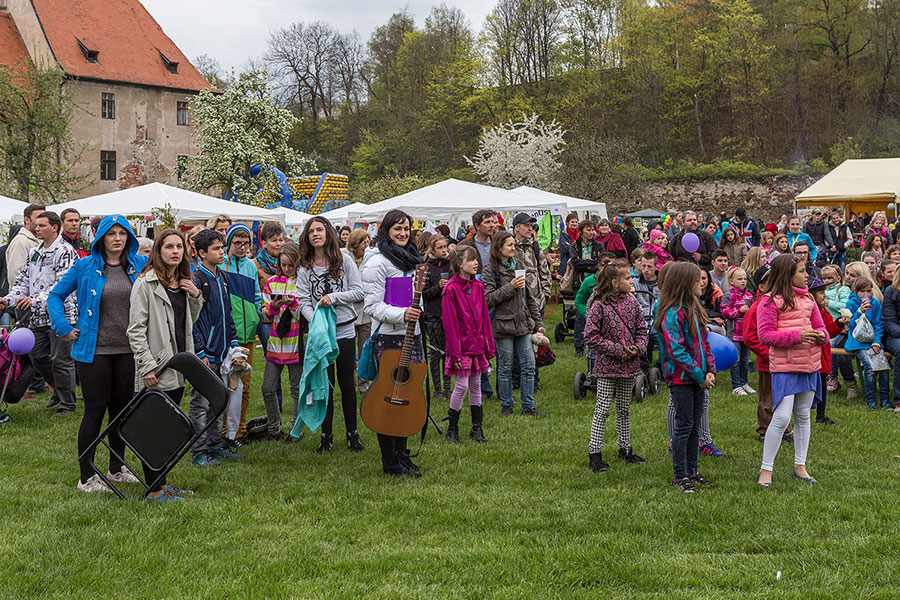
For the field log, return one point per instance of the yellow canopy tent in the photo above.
(860, 186)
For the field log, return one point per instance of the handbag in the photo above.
(568, 281)
(863, 332)
(367, 368)
(878, 362)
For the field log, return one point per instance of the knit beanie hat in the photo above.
(655, 233)
(234, 229)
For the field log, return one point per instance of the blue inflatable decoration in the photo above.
(724, 351)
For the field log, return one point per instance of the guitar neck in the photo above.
(406, 352)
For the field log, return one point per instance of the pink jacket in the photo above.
(781, 330)
(467, 322)
(732, 311)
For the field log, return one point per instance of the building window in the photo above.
(107, 165)
(182, 113)
(181, 166)
(108, 105)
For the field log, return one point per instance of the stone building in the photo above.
(132, 82)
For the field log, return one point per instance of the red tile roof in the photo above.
(12, 48)
(128, 39)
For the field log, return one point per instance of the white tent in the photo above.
(874, 178)
(291, 216)
(571, 203)
(186, 205)
(339, 216)
(453, 199)
(12, 210)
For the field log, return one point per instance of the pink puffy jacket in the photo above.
(781, 330)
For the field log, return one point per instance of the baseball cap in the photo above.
(761, 273)
(523, 218)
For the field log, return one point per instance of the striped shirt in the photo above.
(284, 350)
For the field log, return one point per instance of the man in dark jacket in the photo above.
(838, 238)
(704, 254)
(567, 238)
(485, 222)
(815, 229)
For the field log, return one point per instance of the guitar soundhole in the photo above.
(401, 375)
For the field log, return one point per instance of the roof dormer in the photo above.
(171, 67)
(89, 55)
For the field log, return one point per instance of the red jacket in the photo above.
(833, 329)
(751, 338)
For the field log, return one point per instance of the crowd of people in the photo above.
(110, 314)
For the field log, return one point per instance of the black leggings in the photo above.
(390, 446)
(346, 374)
(107, 385)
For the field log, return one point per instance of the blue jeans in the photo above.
(741, 368)
(580, 322)
(688, 403)
(263, 331)
(868, 376)
(892, 345)
(521, 345)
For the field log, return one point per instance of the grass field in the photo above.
(518, 517)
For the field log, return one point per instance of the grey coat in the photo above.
(516, 312)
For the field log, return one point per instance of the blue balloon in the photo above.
(724, 351)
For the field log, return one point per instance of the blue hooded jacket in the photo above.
(87, 278)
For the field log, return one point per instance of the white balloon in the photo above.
(892, 207)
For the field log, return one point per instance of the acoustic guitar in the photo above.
(395, 403)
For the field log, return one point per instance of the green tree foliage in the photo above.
(37, 150)
(758, 85)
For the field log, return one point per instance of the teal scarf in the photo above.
(509, 264)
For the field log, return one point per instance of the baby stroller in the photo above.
(16, 372)
(645, 384)
(566, 327)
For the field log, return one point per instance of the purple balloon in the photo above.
(690, 242)
(20, 341)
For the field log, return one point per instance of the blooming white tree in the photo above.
(524, 152)
(236, 129)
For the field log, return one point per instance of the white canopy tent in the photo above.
(576, 204)
(291, 216)
(452, 199)
(185, 205)
(863, 185)
(339, 216)
(12, 210)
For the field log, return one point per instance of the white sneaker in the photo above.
(746, 387)
(123, 476)
(739, 392)
(94, 484)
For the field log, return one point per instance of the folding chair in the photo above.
(155, 427)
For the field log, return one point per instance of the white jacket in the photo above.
(376, 268)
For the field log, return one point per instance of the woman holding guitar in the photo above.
(387, 270)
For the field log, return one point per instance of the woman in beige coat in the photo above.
(164, 305)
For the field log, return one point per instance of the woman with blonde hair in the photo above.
(781, 245)
(755, 259)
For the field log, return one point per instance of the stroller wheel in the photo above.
(578, 387)
(4, 418)
(640, 388)
(559, 334)
(653, 379)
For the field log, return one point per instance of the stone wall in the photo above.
(765, 198)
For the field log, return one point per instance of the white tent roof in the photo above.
(291, 216)
(857, 180)
(570, 202)
(453, 198)
(12, 209)
(186, 205)
(339, 216)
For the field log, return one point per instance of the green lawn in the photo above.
(520, 516)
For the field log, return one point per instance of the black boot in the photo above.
(326, 444)
(596, 462)
(477, 434)
(353, 442)
(453, 427)
(628, 456)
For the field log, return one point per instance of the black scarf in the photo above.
(404, 258)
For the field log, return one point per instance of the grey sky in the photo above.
(233, 31)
